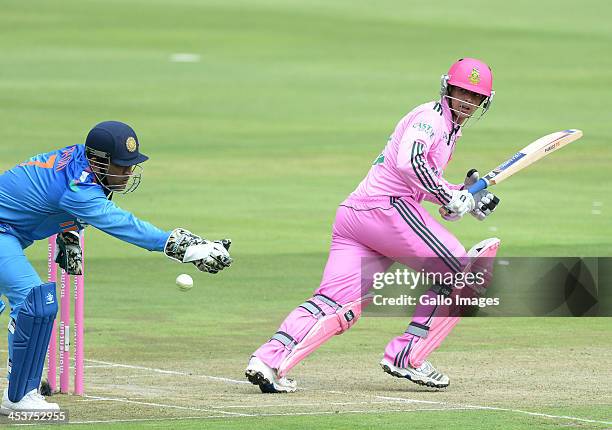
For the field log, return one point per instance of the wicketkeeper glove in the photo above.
(207, 256)
(68, 253)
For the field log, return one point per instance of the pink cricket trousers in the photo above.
(369, 234)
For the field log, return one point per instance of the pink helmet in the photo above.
(471, 74)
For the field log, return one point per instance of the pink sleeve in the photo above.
(412, 161)
(431, 198)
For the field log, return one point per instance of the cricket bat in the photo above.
(525, 157)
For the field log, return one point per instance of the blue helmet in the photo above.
(113, 142)
(116, 141)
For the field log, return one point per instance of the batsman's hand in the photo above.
(207, 256)
(461, 203)
(68, 253)
(486, 201)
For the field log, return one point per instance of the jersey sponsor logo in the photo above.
(379, 160)
(424, 127)
(130, 144)
(475, 76)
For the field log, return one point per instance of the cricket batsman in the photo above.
(384, 221)
(61, 192)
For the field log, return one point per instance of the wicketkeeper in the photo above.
(383, 221)
(61, 192)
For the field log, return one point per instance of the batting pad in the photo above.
(329, 325)
(32, 331)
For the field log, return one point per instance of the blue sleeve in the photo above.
(89, 204)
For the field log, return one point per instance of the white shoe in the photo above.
(425, 374)
(259, 373)
(32, 401)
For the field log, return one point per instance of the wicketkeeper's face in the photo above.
(117, 177)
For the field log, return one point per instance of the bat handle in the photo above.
(478, 186)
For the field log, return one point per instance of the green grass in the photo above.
(498, 420)
(260, 141)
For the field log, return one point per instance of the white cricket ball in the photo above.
(184, 282)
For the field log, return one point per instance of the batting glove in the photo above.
(461, 203)
(486, 202)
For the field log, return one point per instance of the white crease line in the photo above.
(285, 405)
(369, 411)
(289, 414)
(401, 399)
(135, 420)
(494, 408)
(538, 414)
(160, 405)
(168, 372)
(106, 377)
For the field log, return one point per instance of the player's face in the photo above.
(464, 103)
(117, 176)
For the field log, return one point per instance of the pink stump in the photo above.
(52, 352)
(64, 334)
(79, 313)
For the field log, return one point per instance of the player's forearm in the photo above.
(109, 218)
(130, 229)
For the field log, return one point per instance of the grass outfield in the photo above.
(259, 140)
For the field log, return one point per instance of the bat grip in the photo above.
(481, 184)
(478, 186)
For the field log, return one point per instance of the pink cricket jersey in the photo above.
(412, 163)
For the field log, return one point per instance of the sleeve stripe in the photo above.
(417, 170)
(433, 179)
(424, 174)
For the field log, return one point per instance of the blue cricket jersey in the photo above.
(57, 192)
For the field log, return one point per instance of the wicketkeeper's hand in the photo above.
(68, 253)
(207, 256)
(486, 202)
